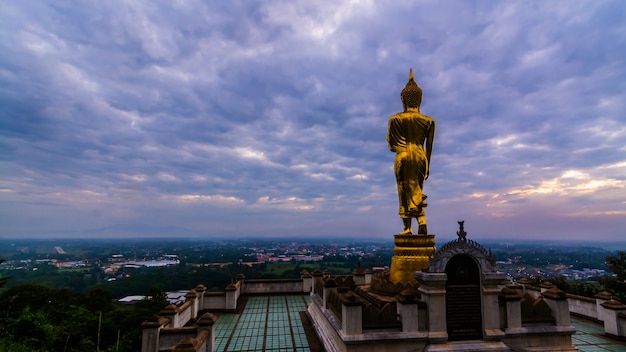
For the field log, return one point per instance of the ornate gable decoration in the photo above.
(486, 260)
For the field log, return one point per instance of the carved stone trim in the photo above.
(485, 259)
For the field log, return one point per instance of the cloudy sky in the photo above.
(242, 118)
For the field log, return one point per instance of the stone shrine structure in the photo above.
(459, 303)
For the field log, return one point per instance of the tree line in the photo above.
(35, 317)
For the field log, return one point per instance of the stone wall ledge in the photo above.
(189, 344)
(328, 314)
(493, 334)
(369, 336)
(469, 345)
(387, 336)
(185, 305)
(586, 317)
(581, 298)
(252, 281)
(182, 330)
(540, 330)
(613, 305)
(159, 321)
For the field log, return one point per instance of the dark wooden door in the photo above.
(463, 299)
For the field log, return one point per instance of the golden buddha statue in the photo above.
(410, 136)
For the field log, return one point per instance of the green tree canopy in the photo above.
(39, 318)
(3, 280)
(617, 264)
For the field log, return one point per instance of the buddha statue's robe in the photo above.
(407, 133)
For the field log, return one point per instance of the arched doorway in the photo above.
(463, 299)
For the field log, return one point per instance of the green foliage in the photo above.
(617, 264)
(539, 256)
(561, 283)
(3, 280)
(616, 285)
(586, 289)
(170, 279)
(156, 301)
(38, 318)
(79, 280)
(8, 345)
(589, 289)
(616, 288)
(99, 299)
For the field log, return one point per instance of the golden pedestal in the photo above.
(410, 254)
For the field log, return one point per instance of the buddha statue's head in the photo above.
(411, 94)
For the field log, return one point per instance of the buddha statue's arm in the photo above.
(394, 137)
(430, 139)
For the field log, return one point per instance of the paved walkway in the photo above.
(590, 337)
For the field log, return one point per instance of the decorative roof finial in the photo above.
(461, 233)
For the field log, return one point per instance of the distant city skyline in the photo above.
(212, 119)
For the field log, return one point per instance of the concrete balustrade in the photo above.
(511, 295)
(408, 312)
(614, 318)
(557, 301)
(433, 290)
(352, 316)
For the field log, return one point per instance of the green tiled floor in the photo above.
(268, 323)
(589, 338)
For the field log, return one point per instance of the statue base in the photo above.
(411, 253)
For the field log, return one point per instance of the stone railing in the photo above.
(318, 283)
(381, 316)
(583, 306)
(158, 336)
(179, 315)
(274, 285)
(333, 301)
(214, 300)
(178, 327)
(602, 308)
(339, 297)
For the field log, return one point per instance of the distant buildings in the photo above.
(117, 264)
